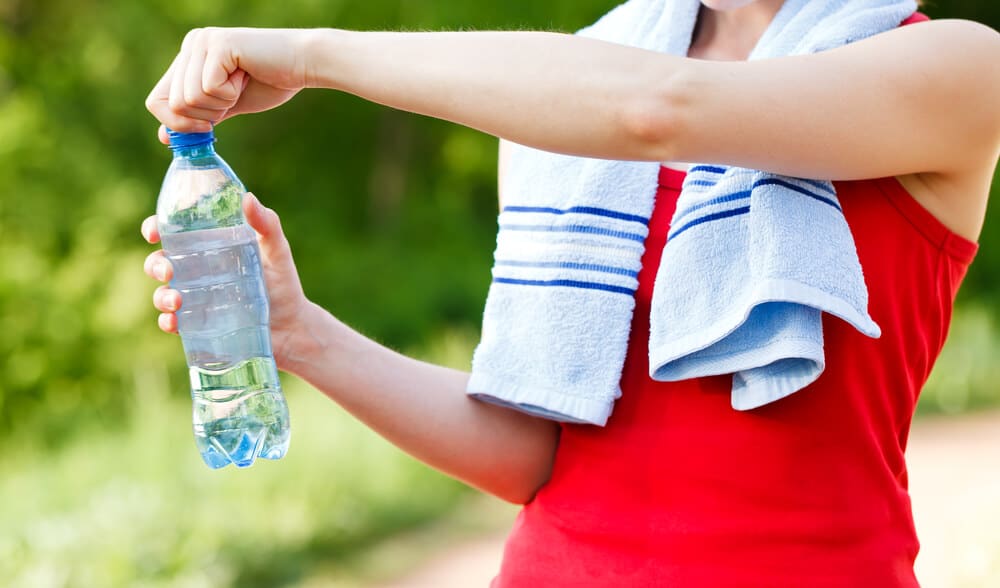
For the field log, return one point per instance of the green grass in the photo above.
(139, 509)
(967, 374)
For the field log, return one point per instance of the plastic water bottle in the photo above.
(239, 410)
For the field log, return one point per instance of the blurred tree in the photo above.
(391, 216)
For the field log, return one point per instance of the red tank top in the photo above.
(681, 490)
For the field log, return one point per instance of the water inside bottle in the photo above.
(239, 411)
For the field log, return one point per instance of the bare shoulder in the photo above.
(961, 59)
(957, 56)
(964, 40)
(953, 29)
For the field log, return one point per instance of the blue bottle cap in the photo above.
(180, 140)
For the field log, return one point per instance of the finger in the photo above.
(197, 120)
(167, 322)
(258, 97)
(263, 220)
(158, 267)
(268, 226)
(175, 96)
(222, 76)
(158, 103)
(149, 229)
(194, 88)
(181, 116)
(161, 91)
(161, 134)
(180, 122)
(166, 299)
(240, 81)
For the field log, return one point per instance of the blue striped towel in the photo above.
(752, 261)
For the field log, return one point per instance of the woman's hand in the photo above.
(287, 300)
(220, 73)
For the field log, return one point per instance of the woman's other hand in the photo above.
(287, 300)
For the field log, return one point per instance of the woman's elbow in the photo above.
(520, 490)
(655, 117)
(526, 466)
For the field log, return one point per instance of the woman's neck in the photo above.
(730, 35)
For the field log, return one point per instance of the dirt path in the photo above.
(954, 468)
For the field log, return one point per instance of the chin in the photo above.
(726, 4)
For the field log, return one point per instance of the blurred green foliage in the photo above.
(130, 509)
(391, 216)
(967, 374)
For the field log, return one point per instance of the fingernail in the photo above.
(171, 302)
(159, 271)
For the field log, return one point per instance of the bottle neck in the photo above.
(194, 151)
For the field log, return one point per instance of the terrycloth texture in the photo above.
(752, 259)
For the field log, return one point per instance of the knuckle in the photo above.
(176, 102)
(192, 96)
(192, 35)
(222, 35)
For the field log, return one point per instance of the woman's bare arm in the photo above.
(922, 98)
(422, 408)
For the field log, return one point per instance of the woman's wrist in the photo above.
(309, 340)
(327, 57)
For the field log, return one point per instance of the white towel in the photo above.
(751, 262)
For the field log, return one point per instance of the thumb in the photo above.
(268, 226)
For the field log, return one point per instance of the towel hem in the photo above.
(770, 291)
(743, 360)
(748, 395)
(538, 401)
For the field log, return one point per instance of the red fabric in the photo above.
(681, 490)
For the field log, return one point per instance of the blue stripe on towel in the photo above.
(708, 218)
(581, 210)
(800, 190)
(577, 229)
(741, 196)
(569, 284)
(825, 186)
(593, 267)
(711, 169)
(720, 200)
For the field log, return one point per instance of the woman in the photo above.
(678, 488)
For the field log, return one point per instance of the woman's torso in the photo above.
(681, 490)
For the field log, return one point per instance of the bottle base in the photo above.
(241, 448)
(239, 414)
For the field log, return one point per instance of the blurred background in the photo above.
(392, 220)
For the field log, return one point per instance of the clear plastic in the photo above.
(239, 410)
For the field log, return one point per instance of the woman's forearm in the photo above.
(548, 90)
(423, 409)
